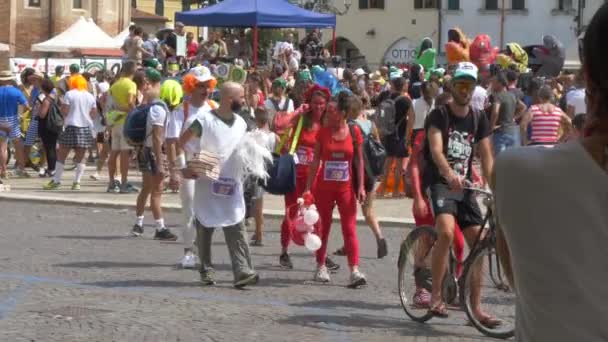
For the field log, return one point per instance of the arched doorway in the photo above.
(350, 53)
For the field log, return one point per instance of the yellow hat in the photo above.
(171, 92)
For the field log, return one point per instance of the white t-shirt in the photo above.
(576, 99)
(80, 103)
(421, 110)
(294, 65)
(156, 117)
(479, 99)
(220, 203)
(556, 199)
(271, 110)
(175, 122)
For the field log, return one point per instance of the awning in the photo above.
(83, 34)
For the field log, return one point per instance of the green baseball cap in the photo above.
(465, 70)
(74, 68)
(153, 75)
(279, 82)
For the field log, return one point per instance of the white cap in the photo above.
(201, 73)
(359, 72)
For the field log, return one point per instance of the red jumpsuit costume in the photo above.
(334, 186)
(304, 156)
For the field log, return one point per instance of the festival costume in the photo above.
(457, 50)
(335, 187)
(482, 53)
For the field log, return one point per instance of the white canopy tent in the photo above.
(4, 47)
(83, 34)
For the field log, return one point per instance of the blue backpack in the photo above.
(135, 124)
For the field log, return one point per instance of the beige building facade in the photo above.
(29, 22)
(373, 32)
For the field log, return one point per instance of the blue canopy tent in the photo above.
(257, 14)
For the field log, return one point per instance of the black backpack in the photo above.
(54, 118)
(135, 125)
(373, 153)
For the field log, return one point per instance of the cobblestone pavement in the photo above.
(72, 274)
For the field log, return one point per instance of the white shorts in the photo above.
(119, 143)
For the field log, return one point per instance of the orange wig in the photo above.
(78, 82)
(189, 82)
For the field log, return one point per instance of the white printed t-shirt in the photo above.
(220, 203)
(80, 102)
(156, 117)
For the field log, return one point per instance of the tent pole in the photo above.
(255, 46)
(333, 41)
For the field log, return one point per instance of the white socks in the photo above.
(58, 172)
(140, 221)
(79, 172)
(160, 224)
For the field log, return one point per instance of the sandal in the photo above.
(340, 252)
(439, 311)
(490, 322)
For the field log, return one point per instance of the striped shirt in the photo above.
(545, 125)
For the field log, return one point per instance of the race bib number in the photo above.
(337, 171)
(224, 187)
(304, 155)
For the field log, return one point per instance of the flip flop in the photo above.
(490, 322)
(439, 311)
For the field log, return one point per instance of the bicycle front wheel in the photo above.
(414, 279)
(481, 295)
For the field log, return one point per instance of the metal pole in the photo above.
(579, 24)
(255, 46)
(333, 42)
(502, 25)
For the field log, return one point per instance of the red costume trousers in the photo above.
(346, 201)
(291, 209)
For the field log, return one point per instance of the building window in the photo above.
(77, 4)
(33, 3)
(367, 4)
(491, 5)
(518, 5)
(564, 5)
(424, 4)
(453, 5)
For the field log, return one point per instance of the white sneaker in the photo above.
(322, 275)
(188, 261)
(357, 279)
(95, 176)
(42, 172)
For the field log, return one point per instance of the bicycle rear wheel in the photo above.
(495, 301)
(415, 272)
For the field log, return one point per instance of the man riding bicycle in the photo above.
(452, 130)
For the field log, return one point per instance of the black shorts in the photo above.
(149, 163)
(463, 207)
(395, 147)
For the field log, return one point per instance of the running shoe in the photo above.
(42, 172)
(95, 176)
(422, 299)
(114, 187)
(137, 230)
(382, 248)
(164, 235)
(246, 279)
(322, 275)
(208, 277)
(285, 261)
(331, 265)
(127, 188)
(357, 279)
(76, 186)
(188, 261)
(21, 174)
(51, 185)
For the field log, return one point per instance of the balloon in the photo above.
(311, 216)
(301, 226)
(297, 237)
(312, 242)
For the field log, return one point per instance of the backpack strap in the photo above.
(275, 104)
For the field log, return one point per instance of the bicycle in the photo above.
(497, 297)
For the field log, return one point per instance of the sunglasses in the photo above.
(464, 86)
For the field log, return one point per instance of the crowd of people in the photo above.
(440, 128)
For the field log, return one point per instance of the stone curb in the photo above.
(171, 207)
